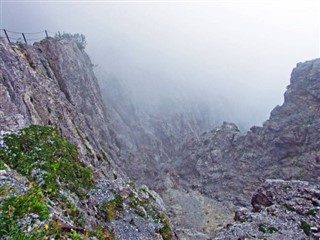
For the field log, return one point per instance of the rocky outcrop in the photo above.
(280, 210)
(201, 176)
(52, 83)
(171, 153)
(228, 165)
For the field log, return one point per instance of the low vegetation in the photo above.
(16, 208)
(312, 212)
(110, 208)
(165, 231)
(80, 39)
(2, 166)
(267, 229)
(53, 169)
(42, 155)
(140, 204)
(306, 227)
(51, 165)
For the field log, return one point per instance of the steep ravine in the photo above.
(222, 164)
(74, 149)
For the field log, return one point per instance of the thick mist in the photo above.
(233, 59)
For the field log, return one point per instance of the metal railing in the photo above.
(26, 37)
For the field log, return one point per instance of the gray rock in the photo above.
(292, 214)
(227, 165)
(53, 83)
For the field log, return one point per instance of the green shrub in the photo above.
(267, 229)
(2, 167)
(165, 231)
(80, 39)
(43, 156)
(16, 207)
(102, 234)
(305, 227)
(312, 212)
(30, 202)
(110, 208)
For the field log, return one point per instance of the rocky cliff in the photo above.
(53, 83)
(70, 149)
(228, 165)
(58, 153)
(217, 170)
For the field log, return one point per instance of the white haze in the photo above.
(234, 56)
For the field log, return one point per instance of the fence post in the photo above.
(5, 32)
(24, 37)
(46, 33)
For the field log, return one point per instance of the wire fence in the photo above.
(24, 37)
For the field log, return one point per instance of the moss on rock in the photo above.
(110, 208)
(165, 231)
(41, 154)
(52, 166)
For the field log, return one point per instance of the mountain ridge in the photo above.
(202, 177)
(51, 106)
(227, 165)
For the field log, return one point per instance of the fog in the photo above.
(233, 57)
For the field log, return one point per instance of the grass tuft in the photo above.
(42, 155)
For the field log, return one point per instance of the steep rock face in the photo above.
(52, 83)
(281, 210)
(169, 153)
(228, 165)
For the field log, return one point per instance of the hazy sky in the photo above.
(239, 51)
